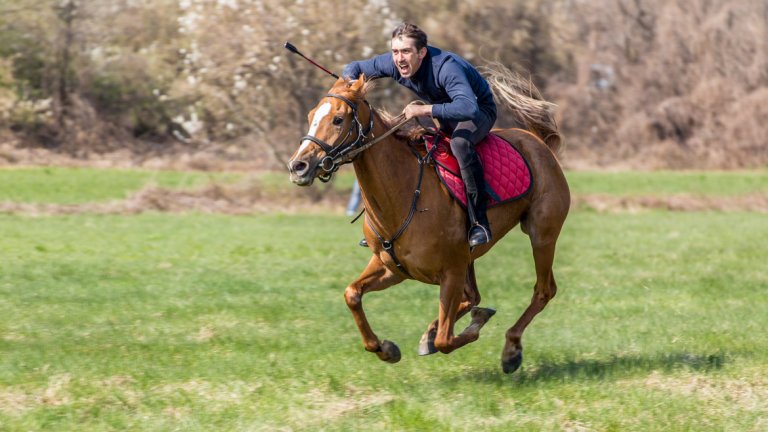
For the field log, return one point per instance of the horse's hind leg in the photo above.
(469, 302)
(375, 277)
(451, 294)
(543, 244)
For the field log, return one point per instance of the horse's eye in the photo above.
(338, 121)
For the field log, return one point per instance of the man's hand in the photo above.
(416, 110)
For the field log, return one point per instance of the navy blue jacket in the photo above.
(454, 88)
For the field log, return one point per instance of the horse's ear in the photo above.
(356, 85)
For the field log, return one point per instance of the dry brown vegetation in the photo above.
(250, 198)
(246, 197)
(688, 87)
(640, 83)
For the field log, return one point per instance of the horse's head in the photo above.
(337, 126)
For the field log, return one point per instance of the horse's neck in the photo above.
(387, 173)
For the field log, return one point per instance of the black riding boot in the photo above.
(474, 182)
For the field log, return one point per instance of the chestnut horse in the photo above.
(416, 230)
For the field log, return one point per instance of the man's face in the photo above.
(407, 58)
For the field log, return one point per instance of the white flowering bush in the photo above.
(246, 85)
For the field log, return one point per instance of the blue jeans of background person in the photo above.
(354, 199)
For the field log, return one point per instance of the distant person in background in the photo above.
(354, 199)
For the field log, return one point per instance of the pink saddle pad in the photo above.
(507, 175)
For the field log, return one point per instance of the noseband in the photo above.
(339, 155)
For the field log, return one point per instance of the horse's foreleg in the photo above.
(375, 277)
(544, 290)
(471, 298)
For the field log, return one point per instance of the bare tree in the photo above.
(655, 82)
(66, 11)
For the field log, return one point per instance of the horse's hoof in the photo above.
(486, 313)
(427, 343)
(390, 352)
(512, 364)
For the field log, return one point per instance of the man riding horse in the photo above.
(345, 128)
(460, 99)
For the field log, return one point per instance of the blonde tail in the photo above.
(526, 103)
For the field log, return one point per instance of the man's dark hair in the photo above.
(411, 31)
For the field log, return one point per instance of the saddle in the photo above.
(507, 174)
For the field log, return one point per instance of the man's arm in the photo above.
(377, 67)
(463, 105)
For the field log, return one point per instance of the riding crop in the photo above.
(289, 46)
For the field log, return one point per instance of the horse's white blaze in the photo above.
(319, 115)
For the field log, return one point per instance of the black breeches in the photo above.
(466, 134)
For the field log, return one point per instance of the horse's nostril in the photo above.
(299, 167)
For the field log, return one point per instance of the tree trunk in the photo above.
(66, 11)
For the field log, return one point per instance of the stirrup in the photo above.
(478, 235)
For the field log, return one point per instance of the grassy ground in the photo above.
(631, 184)
(213, 322)
(83, 185)
(662, 183)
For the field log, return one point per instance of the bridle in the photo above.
(346, 151)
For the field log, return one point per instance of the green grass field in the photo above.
(664, 183)
(212, 322)
(84, 185)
